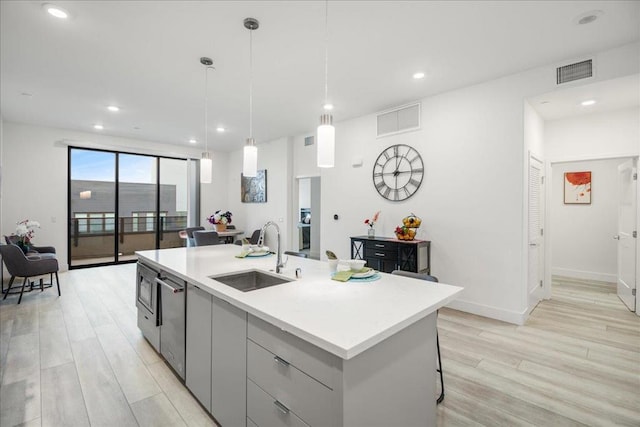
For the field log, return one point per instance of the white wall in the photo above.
(533, 132)
(34, 176)
(304, 188)
(582, 239)
(472, 200)
(275, 157)
(315, 234)
(608, 134)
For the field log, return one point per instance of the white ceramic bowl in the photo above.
(354, 264)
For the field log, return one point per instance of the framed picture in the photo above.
(577, 188)
(254, 189)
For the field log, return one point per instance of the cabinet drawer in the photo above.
(315, 362)
(381, 253)
(265, 411)
(304, 396)
(381, 245)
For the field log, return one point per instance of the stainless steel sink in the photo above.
(250, 280)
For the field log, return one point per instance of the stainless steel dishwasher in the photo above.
(172, 321)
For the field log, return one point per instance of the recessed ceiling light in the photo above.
(220, 129)
(113, 108)
(27, 94)
(588, 102)
(418, 76)
(98, 127)
(136, 127)
(587, 17)
(56, 11)
(192, 141)
(328, 107)
(545, 102)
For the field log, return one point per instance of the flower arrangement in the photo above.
(220, 218)
(26, 230)
(372, 222)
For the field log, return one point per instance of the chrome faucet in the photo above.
(279, 265)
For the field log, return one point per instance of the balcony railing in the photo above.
(93, 238)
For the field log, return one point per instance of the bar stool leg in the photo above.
(441, 397)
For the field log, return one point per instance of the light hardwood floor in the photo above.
(80, 360)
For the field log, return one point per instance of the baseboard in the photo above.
(586, 275)
(488, 311)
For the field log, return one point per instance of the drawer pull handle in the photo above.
(281, 407)
(281, 360)
(379, 254)
(379, 245)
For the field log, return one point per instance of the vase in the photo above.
(220, 227)
(371, 233)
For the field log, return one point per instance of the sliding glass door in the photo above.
(150, 194)
(92, 201)
(137, 204)
(174, 198)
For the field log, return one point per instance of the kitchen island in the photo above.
(311, 351)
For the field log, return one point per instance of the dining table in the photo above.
(228, 235)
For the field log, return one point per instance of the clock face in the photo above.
(398, 172)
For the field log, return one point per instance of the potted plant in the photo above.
(220, 220)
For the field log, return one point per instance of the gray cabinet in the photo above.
(228, 364)
(291, 382)
(198, 378)
(216, 356)
(387, 254)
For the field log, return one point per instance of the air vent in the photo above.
(398, 120)
(572, 72)
(309, 140)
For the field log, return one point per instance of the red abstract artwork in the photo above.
(577, 188)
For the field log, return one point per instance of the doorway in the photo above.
(583, 244)
(307, 228)
(120, 203)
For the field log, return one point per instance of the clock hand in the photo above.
(395, 173)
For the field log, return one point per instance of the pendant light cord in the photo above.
(206, 108)
(250, 83)
(326, 52)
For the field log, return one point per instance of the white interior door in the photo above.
(627, 181)
(536, 235)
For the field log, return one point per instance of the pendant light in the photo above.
(250, 158)
(206, 164)
(326, 131)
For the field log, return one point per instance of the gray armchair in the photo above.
(20, 265)
(33, 250)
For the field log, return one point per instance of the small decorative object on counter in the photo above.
(371, 222)
(220, 220)
(411, 221)
(407, 231)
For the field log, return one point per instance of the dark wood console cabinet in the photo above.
(388, 254)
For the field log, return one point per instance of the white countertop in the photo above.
(344, 318)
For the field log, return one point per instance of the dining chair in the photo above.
(19, 265)
(254, 237)
(206, 238)
(189, 231)
(428, 278)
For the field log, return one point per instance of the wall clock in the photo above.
(398, 172)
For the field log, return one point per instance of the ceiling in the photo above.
(143, 56)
